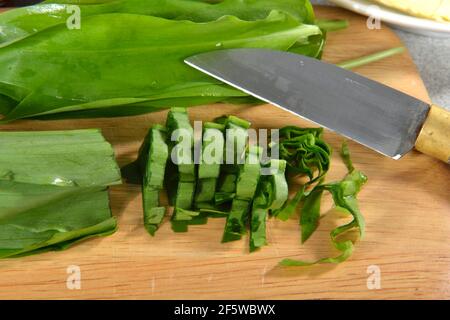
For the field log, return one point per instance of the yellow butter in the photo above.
(432, 9)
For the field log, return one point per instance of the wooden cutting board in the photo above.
(406, 204)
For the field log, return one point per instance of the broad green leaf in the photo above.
(104, 65)
(65, 158)
(23, 22)
(53, 190)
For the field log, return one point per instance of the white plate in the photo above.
(396, 18)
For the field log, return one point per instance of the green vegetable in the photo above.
(24, 22)
(249, 174)
(280, 188)
(80, 158)
(351, 64)
(204, 196)
(225, 197)
(92, 72)
(180, 173)
(236, 139)
(345, 156)
(331, 25)
(53, 190)
(247, 182)
(209, 167)
(182, 218)
(309, 219)
(259, 215)
(227, 185)
(271, 195)
(244, 196)
(306, 153)
(153, 157)
(344, 196)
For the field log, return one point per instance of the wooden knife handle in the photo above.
(434, 139)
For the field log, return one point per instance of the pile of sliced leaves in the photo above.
(232, 179)
(127, 56)
(54, 190)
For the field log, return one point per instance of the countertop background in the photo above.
(432, 57)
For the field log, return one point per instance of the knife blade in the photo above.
(375, 115)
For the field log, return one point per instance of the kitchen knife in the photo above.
(361, 109)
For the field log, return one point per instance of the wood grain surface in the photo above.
(406, 204)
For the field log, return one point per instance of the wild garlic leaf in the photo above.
(104, 65)
(153, 157)
(53, 190)
(344, 195)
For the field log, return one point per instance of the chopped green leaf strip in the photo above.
(213, 144)
(258, 228)
(249, 174)
(182, 218)
(184, 215)
(345, 247)
(309, 218)
(214, 125)
(152, 210)
(345, 155)
(247, 182)
(212, 153)
(185, 195)
(223, 197)
(236, 220)
(344, 196)
(290, 206)
(260, 209)
(153, 219)
(272, 193)
(330, 25)
(213, 213)
(280, 188)
(236, 139)
(206, 190)
(181, 168)
(227, 183)
(153, 156)
(305, 152)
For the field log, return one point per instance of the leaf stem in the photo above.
(331, 25)
(351, 64)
